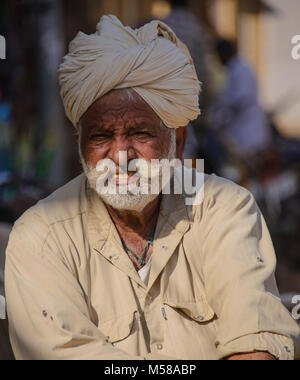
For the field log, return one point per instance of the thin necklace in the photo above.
(141, 259)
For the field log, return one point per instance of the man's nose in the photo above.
(122, 152)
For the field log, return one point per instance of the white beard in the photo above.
(124, 199)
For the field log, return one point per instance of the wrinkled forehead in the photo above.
(116, 98)
(120, 104)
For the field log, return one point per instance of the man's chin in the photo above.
(127, 202)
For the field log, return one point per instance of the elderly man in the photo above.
(101, 275)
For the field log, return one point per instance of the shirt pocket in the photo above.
(198, 310)
(119, 328)
(189, 332)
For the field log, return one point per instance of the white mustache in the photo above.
(139, 168)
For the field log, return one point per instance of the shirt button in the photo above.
(115, 258)
(159, 347)
(287, 349)
(165, 247)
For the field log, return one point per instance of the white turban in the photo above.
(150, 60)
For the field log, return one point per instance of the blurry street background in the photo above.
(249, 131)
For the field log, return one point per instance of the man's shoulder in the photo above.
(217, 193)
(219, 189)
(33, 230)
(220, 198)
(65, 203)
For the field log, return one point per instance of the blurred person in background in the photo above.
(237, 113)
(5, 134)
(190, 30)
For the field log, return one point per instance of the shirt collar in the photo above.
(172, 210)
(173, 222)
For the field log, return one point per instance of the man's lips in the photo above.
(122, 179)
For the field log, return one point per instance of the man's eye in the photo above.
(99, 136)
(146, 134)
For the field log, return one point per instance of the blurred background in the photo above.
(249, 130)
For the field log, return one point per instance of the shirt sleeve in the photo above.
(238, 270)
(48, 312)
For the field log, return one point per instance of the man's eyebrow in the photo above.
(142, 126)
(98, 128)
(134, 125)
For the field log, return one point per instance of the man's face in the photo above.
(118, 122)
(122, 121)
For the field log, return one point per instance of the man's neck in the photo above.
(141, 223)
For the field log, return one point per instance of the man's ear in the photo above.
(181, 136)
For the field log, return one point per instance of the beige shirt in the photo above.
(73, 293)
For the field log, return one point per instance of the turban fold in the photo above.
(150, 60)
